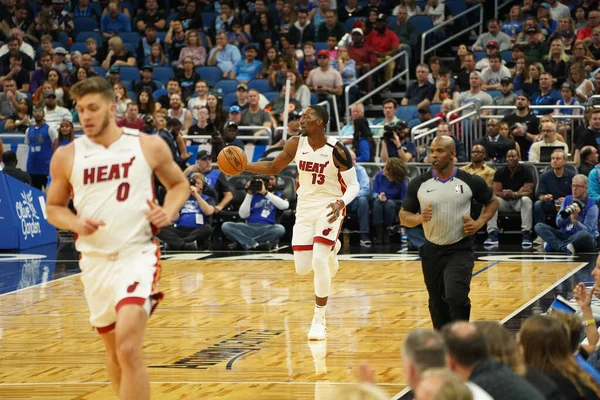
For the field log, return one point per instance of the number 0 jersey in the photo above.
(319, 180)
(112, 184)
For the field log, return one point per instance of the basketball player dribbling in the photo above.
(326, 184)
(109, 172)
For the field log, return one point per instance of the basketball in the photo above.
(232, 160)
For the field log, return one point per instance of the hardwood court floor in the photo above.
(237, 329)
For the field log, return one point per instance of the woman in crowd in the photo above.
(146, 104)
(363, 144)
(583, 86)
(521, 73)
(216, 114)
(504, 130)
(157, 56)
(118, 55)
(532, 84)
(389, 189)
(66, 134)
(20, 120)
(557, 62)
(194, 49)
(302, 91)
(122, 98)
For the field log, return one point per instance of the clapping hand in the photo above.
(582, 296)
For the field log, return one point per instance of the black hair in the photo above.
(321, 112)
(9, 158)
(362, 130)
(173, 123)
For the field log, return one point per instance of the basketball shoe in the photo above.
(318, 328)
(333, 262)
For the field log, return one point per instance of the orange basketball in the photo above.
(232, 160)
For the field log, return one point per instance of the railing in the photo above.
(370, 73)
(501, 6)
(454, 18)
(422, 138)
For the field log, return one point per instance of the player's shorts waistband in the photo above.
(122, 253)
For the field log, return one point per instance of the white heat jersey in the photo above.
(113, 184)
(319, 180)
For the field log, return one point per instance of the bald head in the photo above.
(444, 141)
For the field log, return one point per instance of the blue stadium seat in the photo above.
(391, 21)
(131, 37)
(2, 123)
(313, 98)
(96, 8)
(406, 113)
(228, 100)
(226, 86)
(456, 7)
(129, 7)
(132, 94)
(413, 122)
(129, 74)
(162, 35)
(63, 38)
(99, 70)
(128, 85)
(208, 18)
(494, 93)
(80, 47)
(435, 108)
(130, 47)
(158, 93)
(171, 17)
(210, 74)
(506, 55)
(320, 46)
(422, 22)
(84, 24)
(479, 55)
(159, 84)
(350, 22)
(272, 95)
(162, 74)
(83, 36)
(262, 85)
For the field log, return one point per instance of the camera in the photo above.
(389, 130)
(192, 181)
(571, 207)
(257, 183)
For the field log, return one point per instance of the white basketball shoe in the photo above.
(318, 329)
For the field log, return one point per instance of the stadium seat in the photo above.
(226, 86)
(422, 22)
(208, 19)
(128, 85)
(479, 55)
(435, 108)
(84, 24)
(456, 7)
(406, 113)
(83, 36)
(63, 38)
(162, 35)
(271, 95)
(171, 17)
(129, 7)
(291, 171)
(2, 123)
(131, 37)
(228, 100)
(262, 85)
(413, 171)
(131, 48)
(371, 169)
(80, 47)
(413, 122)
(494, 93)
(210, 74)
(160, 92)
(391, 21)
(99, 70)
(320, 46)
(129, 74)
(506, 55)
(162, 74)
(159, 84)
(313, 98)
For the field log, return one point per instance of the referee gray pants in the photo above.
(447, 270)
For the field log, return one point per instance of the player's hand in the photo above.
(157, 215)
(582, 296)
(336, 208)
(470, 227)
(426, 213)
(88, 226)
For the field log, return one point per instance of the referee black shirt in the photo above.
(451, 200)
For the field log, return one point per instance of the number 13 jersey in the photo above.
(319, 180)
(112, 184)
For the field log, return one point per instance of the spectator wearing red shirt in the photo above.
(131, 119)
(586, 33)
(385, 44)
(363, 56)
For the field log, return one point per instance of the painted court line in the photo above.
(22, 384)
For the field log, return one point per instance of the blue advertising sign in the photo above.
(23, 222)
(27, 268)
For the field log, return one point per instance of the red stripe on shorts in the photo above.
(304, 247)
(106, 329)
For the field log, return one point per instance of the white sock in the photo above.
(320, 311)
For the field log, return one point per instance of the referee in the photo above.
(444, 197)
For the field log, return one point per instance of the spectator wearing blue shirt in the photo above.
(553, 187)
(39, 138)
(248, 69)
(547, 96)
(396, 143)
(363, 143)
(193, 226)
(224, 55)
(360, 204)
(514, 25)
(114, 22)
(259, 209)
(389, 189)
(577, 221)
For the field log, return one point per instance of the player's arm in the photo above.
(282, 160)
(343, 161)
(168, 172)
(59, 193)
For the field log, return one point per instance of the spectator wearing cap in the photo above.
(187, 78)
(302, 30)
(421, 92)
(492, 48)
(228, 138)
(331, 26)
(10, 98)
(385, 44)
(547, 24)
(535, 50)
(114, 75)
(547, 96)
(55, 114)
(61, 17)
(506, 97)
(255, 116)
(17, 72)
(585, 34)
(114, 21)
(59, 58)
(475, 94)
(495, 73)
(523, 124)
(224, 55)
(151, 15)
(241, 94)
(567, 98)
(235, 114)
(146, 82)
(249, 68)
(364, 57)
(325, 81)
(39, 138)
(132, 119)
(203, 127)
(9, 159)
(493, 35)
(201, 98)
(214, 179)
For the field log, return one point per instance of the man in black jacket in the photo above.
(9, 159)
(468, 357)
(302, 30)
(496, 146)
